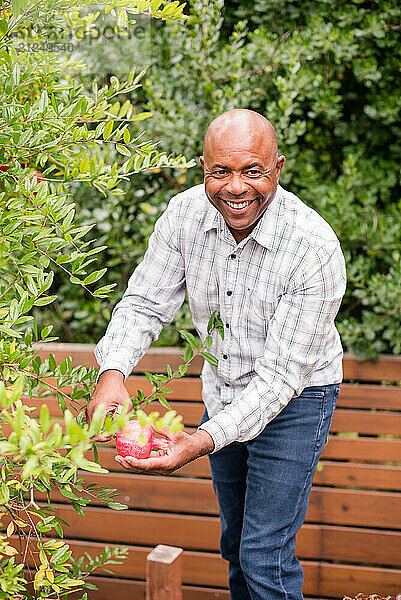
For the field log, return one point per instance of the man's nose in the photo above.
(236, 185)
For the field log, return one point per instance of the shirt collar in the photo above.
(266, 230)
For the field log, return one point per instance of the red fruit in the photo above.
(4, 168)
(127, 440)
(38, 176)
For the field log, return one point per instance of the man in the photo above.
(273, 268)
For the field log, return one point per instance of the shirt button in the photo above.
(227, 384)
(229, 293)
(233, 256)
(225, 356)
(227, 325)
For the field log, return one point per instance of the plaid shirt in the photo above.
(278, 292)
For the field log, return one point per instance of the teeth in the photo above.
(238, 205)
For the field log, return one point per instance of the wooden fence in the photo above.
(351, 540)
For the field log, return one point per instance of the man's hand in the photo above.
(183, 448)
(110, 391)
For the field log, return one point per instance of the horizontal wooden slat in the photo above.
(199, 568)
(192, 496)
(357, 449)
(154, 361)
(387, 368)
(357, 508)
(339, 580)
(159, 493)
(376, 477)
(314, 542)
(135, 590)
(321, 578)
(355, 545)
(362, 448)
(368, 396)
(142, 528)
(384, 581)
(187, 389)
(331, 473)
(366, 422)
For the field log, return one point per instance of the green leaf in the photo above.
(62, 258)
(188, 353)
(18, 388)
(123, 150)
(94, 276)
(189, 338)
(45, 300)
(116, 506)
(44, 418)
(3, 396)
(183, 369)
(74, 279)
(163, 401)
(52, 362)
(3, 26)
(10, 331)
(141, 116)
(208, 341)
(97, 420)
(16, 74)
(5, 56)
(210, 358)
(63, 367)
(108, 129)
(45, 331)
(84, 164)
(93, 467)
(155, 5)
(150, 377)
(211, 321)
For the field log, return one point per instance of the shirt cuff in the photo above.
(222, 436)
(110, 364)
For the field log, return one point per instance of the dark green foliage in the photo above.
(327, 75)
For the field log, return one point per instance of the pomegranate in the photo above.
(127, 441)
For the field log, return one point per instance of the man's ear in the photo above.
(202, 162)
(279, 166)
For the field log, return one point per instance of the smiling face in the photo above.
(241, 168)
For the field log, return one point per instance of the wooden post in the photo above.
(164, 573)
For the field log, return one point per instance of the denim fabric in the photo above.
(263, 488)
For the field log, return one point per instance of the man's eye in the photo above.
(219, 172)
(253, 172)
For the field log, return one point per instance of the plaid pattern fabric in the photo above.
(277, 291)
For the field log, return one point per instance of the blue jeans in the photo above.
(263, 488)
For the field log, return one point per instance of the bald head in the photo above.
(241, 126)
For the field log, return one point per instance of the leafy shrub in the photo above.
(49, 122)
